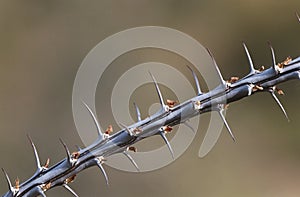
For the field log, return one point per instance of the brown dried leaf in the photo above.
(109, 130)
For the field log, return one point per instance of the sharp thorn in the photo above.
(252, 69)
(95, 120)
(137, 111)
(216, 67)
(161, 100)
(189, 126)
(280, 105)
(70, 190)
(131, 160)
(10, 187)
(226, 124)
(99, 164)
(273, 56)
(37, 159)
(196, 80)
(67, 150)
(298, 17)
(163, 135)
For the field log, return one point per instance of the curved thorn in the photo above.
(70, 190)
(163, 135)
(7, 180)
(280, 105)
(252, 69)
(196, 80)
(216, 67)
(138, 113)
(298, 17)
(95, 120)
(273, 55)
(102, 170)
(161, 100)
(37, 159)
(189, 126)
(67, 149)
(131, 160)
(226, 124)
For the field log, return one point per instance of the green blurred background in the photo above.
(43, 43)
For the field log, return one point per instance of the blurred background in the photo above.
(42, 44)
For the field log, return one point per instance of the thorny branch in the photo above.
(161, 123)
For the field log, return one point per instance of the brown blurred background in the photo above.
(43, 43)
